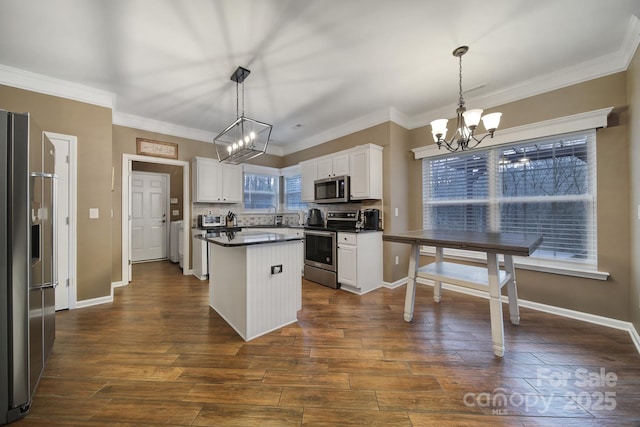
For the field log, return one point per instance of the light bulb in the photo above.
(240, 143)
(252, 135)
(472, 117)
(229, 149)
(491, 121)
(439, 127)
(235, 146)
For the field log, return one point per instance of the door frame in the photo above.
(127, 168)
(167, 224)
(73, 213)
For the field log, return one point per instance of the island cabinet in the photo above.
(255, 283)
(365, 168)
(215, 182)
(331, 166)
(360, 261)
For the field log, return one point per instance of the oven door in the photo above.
(320, 249)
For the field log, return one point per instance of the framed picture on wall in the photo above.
(149, 147)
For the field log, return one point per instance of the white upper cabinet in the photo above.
(362, 163)
(215, 182)
(308, 174)
(331, 166)
(365, 165)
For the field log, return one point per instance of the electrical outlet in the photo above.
(276, 269)
(397, 260)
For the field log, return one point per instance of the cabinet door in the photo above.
(359, 165)
(325, 168)
(208, 176)
(308, 174)
(347, 266)
(232, 185)
(341, 165)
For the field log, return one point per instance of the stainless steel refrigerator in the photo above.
(27, 260)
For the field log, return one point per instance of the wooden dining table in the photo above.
(489, 278)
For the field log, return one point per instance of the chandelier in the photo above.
(467, 121)
(245, 138)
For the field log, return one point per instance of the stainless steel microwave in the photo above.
(331, 190)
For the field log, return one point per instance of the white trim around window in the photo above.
(574, 123)
(545, 266)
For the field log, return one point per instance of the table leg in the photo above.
(410, 297)
(437, 285)
(495, 305)
(512, 291)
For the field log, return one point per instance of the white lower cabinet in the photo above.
(360, 261)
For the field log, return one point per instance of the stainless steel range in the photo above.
(320, 248)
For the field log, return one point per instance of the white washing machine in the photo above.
(200, 255)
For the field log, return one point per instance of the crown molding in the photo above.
(369, 120)
(597, 67)
(40, 83)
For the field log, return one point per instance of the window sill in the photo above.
(562, 268)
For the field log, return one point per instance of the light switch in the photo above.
(94, 213)
(396, 212)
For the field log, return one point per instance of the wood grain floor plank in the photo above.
(158, 355)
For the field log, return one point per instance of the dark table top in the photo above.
(246, 238)
(503, 243)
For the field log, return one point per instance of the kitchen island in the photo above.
(255, 281)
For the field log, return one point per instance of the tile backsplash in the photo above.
(245, 218)
(288, 218)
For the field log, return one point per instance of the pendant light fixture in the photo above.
(467, 120)
(245, 138)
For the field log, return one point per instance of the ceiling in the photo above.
(319, 68)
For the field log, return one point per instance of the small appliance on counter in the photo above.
(371, 219)
(205, 221)
(368, 219)
(315, 218)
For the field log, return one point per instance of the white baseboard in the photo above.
(559, 311)
(395, 284)
(94, 301)
(118, 284)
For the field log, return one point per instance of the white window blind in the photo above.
(544, 186)
(293, 192)
(260, 191)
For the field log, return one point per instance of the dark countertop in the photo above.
(246, 238)
(504, 243)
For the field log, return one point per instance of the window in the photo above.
(544, 186)
(260, 191)
(293, 193)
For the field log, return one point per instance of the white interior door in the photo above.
(149, 207)
(63, 221)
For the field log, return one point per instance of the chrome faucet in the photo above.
(275, 218)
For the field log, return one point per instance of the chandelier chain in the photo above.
(461, 100)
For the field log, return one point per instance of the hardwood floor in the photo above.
(158, 355)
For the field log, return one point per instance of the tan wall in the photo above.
(633, 91)
(92, 126)
(403, 189)
(101, 145)
(378, 135)
(605, 298)
(124, 142)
